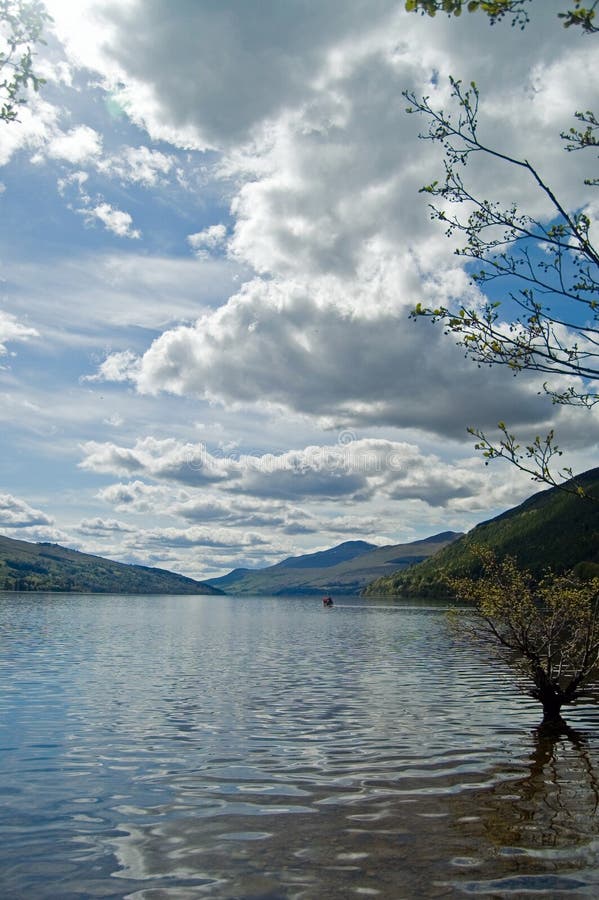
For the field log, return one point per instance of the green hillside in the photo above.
(48, 567)
(552, 529)
(320, 573)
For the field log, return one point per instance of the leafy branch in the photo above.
(21, 26)
(494, 9)
(554, 262)
(550, 268)
(535, 459)
(578, 15)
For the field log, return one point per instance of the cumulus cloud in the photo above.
(38, 129)
(115, 220)
(78, 179)
(135, 496)
(311, 354)
(358, 470)
(223, 71)
(209, 508)
(37, 122)
(297, 94)
(326, 173)
(166, 459)
(46, 534)
(99, 527)
(93, 206)
(17, 513)
(138, 165)
(206, 507)
(78, 146)
(119, 366)
(207, 241)
(239, 513)
(196, 536)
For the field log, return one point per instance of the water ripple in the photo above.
(179, 747)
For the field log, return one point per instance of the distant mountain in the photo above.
(323, 559)
(552, 529)
(48, 567)
(224, 581)
(346, 568)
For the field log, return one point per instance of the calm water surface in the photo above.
(170, 748)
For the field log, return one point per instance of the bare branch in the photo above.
(550, 323)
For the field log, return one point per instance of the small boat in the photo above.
(327, 601)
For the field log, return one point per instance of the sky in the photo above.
(212, 237)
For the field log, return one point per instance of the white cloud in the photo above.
(139, 165)
(220, 74)
(206, 241)
(358, 470)
(326, 172)
(207, 507)
(37, 122)
(83, 28)
(91, 291)
(278, 344)
(79, 179)
(196, 536)
(243, 514)
(46, 534)
(120, 366)
(136, 496)
(80, 145)
(99, 527)
(13, 330)
(57, 71)
(115, 220)
(17, 513)
(161, 459)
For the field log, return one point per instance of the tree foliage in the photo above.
(548, 629)
(576, 14)
(21, 26)
(548, 318)
(547, 321)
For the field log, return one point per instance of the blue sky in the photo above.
(212, 237)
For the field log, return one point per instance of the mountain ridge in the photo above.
(340, 553)
(28, 566)
(349, 576)
(552, 529)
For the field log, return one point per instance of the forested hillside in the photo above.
(48, 567)
(551, 530)
(344, 569)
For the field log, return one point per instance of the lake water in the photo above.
(170, 748)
